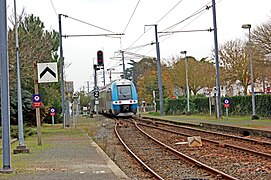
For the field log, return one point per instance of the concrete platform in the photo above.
(66, 154)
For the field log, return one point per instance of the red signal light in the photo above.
(100, 58)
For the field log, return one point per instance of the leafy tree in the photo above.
(167, 82)
(84, 99)
(178, 73)
(140, 68)
(146, 85)
(146, 79)
(200, 73)
(35, 45)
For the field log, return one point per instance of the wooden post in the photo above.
(36, 89)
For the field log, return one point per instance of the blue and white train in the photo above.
(119, 98)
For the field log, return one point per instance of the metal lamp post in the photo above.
(186, 82)
(248, 26)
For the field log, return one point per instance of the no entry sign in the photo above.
(226, 102)
(52, 111)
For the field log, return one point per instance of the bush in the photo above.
(239, 105)
(28, 131)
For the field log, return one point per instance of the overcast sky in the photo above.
(115, 16)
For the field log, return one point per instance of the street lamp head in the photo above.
(183, 52)
(246, 26)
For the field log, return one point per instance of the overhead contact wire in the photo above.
(185, 19)
(169, 11)
(131, 16)
(157, 22)
(53, 7)
(91, 24)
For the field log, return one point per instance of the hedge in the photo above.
(239, 105)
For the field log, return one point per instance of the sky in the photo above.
(135, 19)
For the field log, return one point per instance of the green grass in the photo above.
(18, 162)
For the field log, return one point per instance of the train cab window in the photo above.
(124, 92)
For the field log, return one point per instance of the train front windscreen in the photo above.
(124, 92)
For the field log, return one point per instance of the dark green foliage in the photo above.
(58, 117)
(263, 105)
(201, 104)
(36, 45)
(242, 105)
(176, 106)
(28, 131)
(26, 106)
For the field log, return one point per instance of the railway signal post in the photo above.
(96, 92)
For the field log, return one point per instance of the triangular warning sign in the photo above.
(194, 141)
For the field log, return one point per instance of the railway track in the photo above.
(160, 159)
(236, 162)
(253, 146)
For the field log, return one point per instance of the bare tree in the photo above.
(261, 38)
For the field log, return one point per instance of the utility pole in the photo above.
(218, 96)
(110, 77)
(61, 69)
(21, 148)
(159, 71)
(123, 64)
(5, 104)
(88, 86)
(110, 74)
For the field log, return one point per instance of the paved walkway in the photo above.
(65, 154)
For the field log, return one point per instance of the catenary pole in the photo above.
(61, 69)
(218, 96)
(21, 147)
(5, 104)
(159, 71)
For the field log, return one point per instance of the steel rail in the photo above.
(265, 155)
(216, 133)
(198, 163)
(135, 156)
